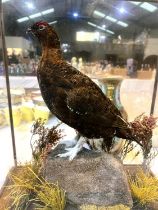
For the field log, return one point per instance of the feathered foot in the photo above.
(72, 152)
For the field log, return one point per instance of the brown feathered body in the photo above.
(74, 98)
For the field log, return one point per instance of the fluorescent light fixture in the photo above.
(110, 32)
(45, 12)
(22, 19)
(3, 1)
(122, 23)
(101, 28)
(100, 14)
(135, 2)
(148, 7)
(35, 15)
(92, 24)
(54, 22)
(30, 5)
(75, 14)
(111, 18)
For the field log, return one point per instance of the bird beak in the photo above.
(30, 31)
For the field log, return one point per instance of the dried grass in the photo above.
(93, 207)
(28, 188)
(144, 187)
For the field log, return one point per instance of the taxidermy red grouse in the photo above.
(73, 97)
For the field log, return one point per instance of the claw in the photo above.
(71, 154)
(68, 149)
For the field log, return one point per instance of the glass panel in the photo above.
(115, 44)
(6, 151)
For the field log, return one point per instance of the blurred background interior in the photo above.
(113, 42)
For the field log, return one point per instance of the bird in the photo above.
(74, 98)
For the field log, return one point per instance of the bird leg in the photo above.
(72, 152)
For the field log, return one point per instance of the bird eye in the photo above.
(42, 27)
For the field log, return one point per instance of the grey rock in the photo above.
(91, 178)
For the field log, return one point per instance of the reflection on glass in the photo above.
(105, 40)
(6, 151)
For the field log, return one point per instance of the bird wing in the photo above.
(90, 104)
(87, 100)
(81, 95)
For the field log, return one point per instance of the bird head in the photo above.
(45, 34)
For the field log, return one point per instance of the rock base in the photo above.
(91, 178)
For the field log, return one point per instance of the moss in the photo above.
(93, 207)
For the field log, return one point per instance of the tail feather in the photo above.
(140, 131)
(120, 123)
(128, 134)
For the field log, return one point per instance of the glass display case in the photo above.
(115, 43)
(6, 151)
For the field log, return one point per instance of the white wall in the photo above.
(17, 42)
(151, 47)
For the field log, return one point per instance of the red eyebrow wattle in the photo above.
(42, 23)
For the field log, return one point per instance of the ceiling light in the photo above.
(111, 19)
(35, 15)
(30, 5)
(148, 7)
(22, 19)
(3, 1)
(135, 2)
(92, 24)
(101, 28)
(122, 10)
(122, 23)
(100, 14)
(75, 14)
(45, 12)
(54, 22)
(110, 32)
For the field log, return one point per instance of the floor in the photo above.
(134, 101)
